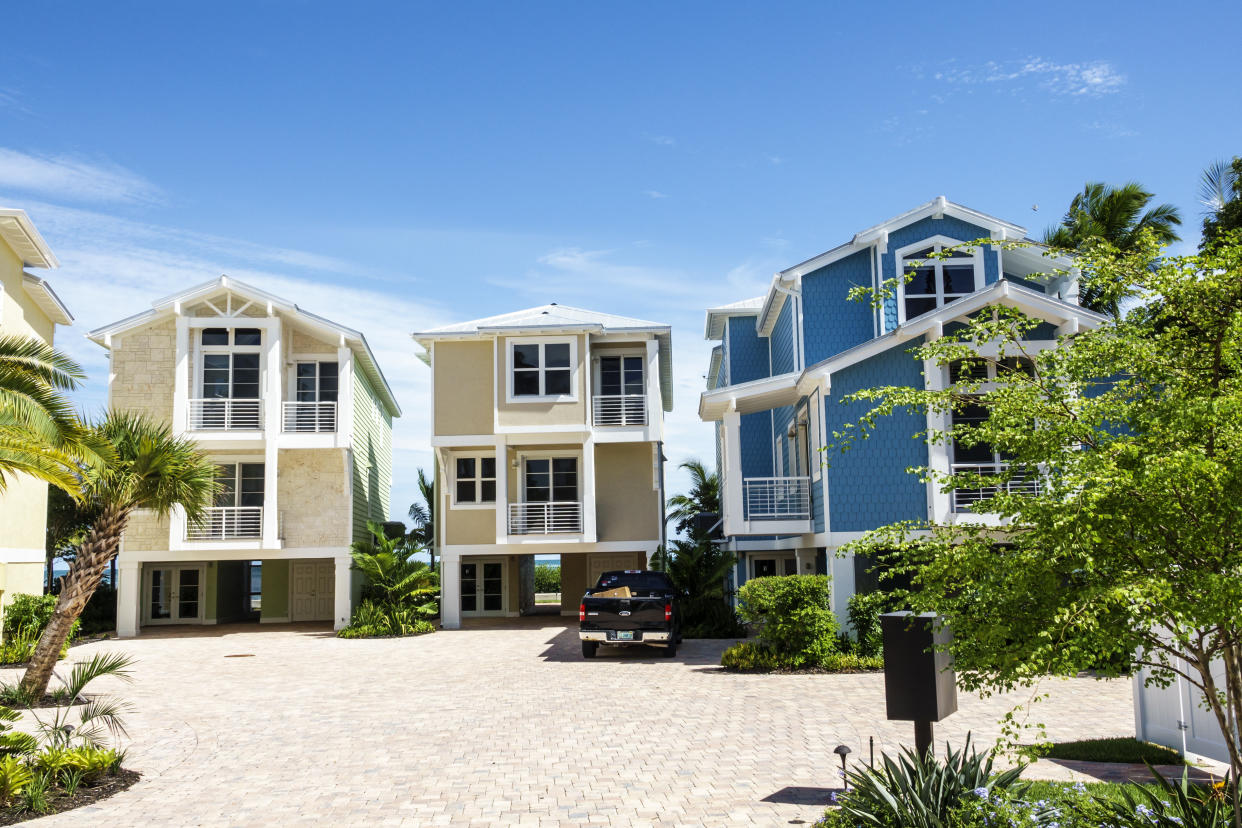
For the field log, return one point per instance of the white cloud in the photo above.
(1091, 79)
(74, 179)
(662, 140)
(654, 194)
(774, 160)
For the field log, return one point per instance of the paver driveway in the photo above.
(499, 727)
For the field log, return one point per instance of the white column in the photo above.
(344, 397)
(128, 597)
(732, 473)
(272, 425)
(342, 594)
(450, 590)
(502, 490)
(588, 490)
(181, 377)
(939, 507)
(655, 404)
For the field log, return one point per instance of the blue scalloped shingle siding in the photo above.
(831, 322)
(756, 448)
(748, 353)
(782, 340)
(924, 228)
(868, 485)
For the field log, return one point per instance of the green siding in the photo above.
(372, 446)
(275, 590)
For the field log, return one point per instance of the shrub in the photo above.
(914, 791)
(14, 777)
(547, 578)
(1180, 803)
(99, 614)
(24, 621)
(373, 619)
(864, 609)
(1115, 749)
(792, 617)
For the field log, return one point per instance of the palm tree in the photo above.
(1119, 217)
(392, 578)
(40, 434)
(704, 496)
(150, 469)
(1220, 191)
(423, 516)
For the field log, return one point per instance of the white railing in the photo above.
(1021, 482)
(227, 523)
(620, 410)
(226, 415)
(778, 498)
(544, 518)
(310, 416)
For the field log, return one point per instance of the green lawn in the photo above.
(1117, 749)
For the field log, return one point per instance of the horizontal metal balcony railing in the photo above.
(778, 498)
(309, 417)
(221, 414)
(620, 410)
(227, 523)
(545, 518)
(1021, 482)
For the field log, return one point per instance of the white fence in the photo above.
(778, 498)
(965, 499)
(544, 518)
(314, 417)
(226, 415)
(1174, 716)
(227, 523)
(620, 410)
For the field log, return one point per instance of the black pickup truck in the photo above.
(650, 615)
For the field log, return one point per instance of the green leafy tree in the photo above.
(1117, 216)
(149, 469)
(704, 496)
(700, 569)
(68, 521)
(1220, 190)
(393, 579)
(40, 434)
(1129, 548)
(423, 517)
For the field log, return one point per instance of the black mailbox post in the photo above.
(919, 683)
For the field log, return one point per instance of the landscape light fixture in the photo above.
(843, 751)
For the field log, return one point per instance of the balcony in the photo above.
(1021, 482)
(227, 523)
(545, 518)
(777, 498)
(226, 415)
(309, 417)
(620, 410)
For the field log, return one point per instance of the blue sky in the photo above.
(399, 166)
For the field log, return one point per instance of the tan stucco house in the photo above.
(547, 429)
(28, 307)
(298, 416)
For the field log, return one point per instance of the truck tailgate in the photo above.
(624, 613)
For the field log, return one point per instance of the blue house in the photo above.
(787, 359)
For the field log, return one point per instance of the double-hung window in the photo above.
(551, 479)
(475, 480)
(541, 370)
(315, 397)
(229, 371)
(316, 382)
(936, 282)
(238, 504)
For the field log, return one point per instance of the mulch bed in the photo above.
(58, 803)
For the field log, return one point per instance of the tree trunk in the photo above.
(99, 547)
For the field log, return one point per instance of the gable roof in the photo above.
(19, 232)
(714, 326)
(171, 305)
(46, 299)
(554, 318)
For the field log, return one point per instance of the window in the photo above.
(242, 484)
(620, 376)
(476, 480)
(231, 376)
(541, 369)
(232, 336)
(984, 369)
(936, 282)
(551, 479)
(316, 382)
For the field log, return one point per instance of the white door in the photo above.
(174, 594)
(482, 587)
(312, 587)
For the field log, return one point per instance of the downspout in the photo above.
(663, 510)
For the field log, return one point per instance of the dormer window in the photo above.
(936, 282)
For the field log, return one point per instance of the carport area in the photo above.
(506, 726)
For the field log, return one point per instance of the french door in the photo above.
(482, 587)
(174, 594)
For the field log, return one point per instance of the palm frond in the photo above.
(1217, 186)
(101, 664)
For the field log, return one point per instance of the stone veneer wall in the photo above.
(146, 533)
(313, 498)
(143, 370)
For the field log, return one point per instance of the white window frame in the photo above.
(236, 462)
(291, 378)
(549, 455)
(939, 242)
(597, 373)
(571, 341)
(201, 350)
(779, 556)
(477, 456)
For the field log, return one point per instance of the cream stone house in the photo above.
(547, 429)
(28, 307)
(297, 414)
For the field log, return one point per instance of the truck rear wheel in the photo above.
(589, 648)
(670, 651)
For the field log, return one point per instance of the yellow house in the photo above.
(547, 429)
(297, 415)
(28, 307)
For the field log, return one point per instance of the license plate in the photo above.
(626, 635)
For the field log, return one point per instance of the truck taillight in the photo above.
(582, 612)
(668, 612)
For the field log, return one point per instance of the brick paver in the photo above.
(495, 727)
